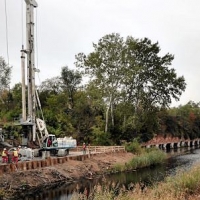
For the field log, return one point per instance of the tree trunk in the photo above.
(106, 126)
(107, 115)
(112, 116)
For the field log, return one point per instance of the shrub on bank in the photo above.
(134, 147)
(149, 158)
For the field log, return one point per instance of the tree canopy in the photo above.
(131, 72)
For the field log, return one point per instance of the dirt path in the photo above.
(67, 172)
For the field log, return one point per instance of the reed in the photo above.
(185, 185)
(185, 182)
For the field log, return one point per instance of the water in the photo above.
(182, 159)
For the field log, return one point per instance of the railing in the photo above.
(100, 149)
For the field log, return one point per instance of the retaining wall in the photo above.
(40, 163)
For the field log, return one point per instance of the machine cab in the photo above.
(50, 141)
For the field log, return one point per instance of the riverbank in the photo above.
(183, 186)
(14, 185)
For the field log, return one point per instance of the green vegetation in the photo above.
(128, 93)
(147, 158)
(134, 147)
(153, 157)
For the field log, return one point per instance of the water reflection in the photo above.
(182, 159)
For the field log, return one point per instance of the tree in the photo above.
(5, 73)
(71, 79)
(51, 86)
(56, 118)
(148, 79)
(131, 72)
(104, 65)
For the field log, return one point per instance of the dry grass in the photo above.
(184, 186)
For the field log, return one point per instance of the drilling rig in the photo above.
(34, 129)
(28, 122)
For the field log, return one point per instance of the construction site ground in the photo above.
(20, 182)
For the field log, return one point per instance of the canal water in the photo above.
(181, 159)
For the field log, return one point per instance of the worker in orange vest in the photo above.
(4, 155)
(15, 155)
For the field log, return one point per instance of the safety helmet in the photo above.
(15, 149)
(4, 149)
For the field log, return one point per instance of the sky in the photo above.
(65, 28)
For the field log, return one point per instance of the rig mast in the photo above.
(29, 120)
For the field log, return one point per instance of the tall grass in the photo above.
(148, 158)
(184, 186)
(184, 183)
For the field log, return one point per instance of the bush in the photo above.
(99, 137)
(134, 147)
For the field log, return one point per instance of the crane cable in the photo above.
(6, 32)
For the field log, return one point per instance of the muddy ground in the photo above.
(20, 182)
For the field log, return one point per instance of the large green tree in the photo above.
(131, 72)
(149, 80)
(105, 66)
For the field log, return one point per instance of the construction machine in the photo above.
(34, 128)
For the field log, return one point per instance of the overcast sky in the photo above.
(68, 27)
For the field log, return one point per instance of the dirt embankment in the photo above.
(67, 172)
